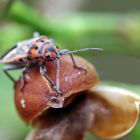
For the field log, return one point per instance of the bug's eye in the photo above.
(47, 55)
(21, 60)
(36, 47)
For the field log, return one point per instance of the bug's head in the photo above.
(52, 53)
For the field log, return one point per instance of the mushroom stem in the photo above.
(42, 136)
(69, 123)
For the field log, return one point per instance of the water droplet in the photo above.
(66, 79)
(79, 73)
(22, 102)
(27, 77)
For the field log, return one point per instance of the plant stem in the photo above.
(115, 33)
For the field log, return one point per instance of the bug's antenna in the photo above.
(86, 49)
(63, 52)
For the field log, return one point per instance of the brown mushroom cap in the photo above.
(109, 112)
(38, 96)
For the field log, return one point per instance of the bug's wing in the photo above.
(19, 51)
(13, 56)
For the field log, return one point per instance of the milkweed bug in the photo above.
(37, 52)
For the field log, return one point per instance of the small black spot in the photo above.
(36, 47)
(21, 60)
(29, 58)
(47, 56)
(40, 40)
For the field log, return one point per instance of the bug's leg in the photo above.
(11, 68)
(58, 76)
(64, 52)
(36, 34)
(43, 73)
(75, 65)
(9, 76)
(24, 82)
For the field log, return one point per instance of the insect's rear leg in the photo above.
(43, 73)
(75, 65)
(11, 68)
(9, 76)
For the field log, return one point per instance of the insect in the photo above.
(37, 52)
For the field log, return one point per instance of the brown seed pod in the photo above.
(38, 96)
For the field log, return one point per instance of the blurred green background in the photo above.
(111, 25)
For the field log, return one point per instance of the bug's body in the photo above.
(36, 52)
(31, 51)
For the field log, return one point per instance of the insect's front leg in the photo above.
(58, 76)
(43, 73)
(75, 65)
(24, 82)
(64, 52)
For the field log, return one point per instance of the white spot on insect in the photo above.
(27, 77)
(22, 102)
